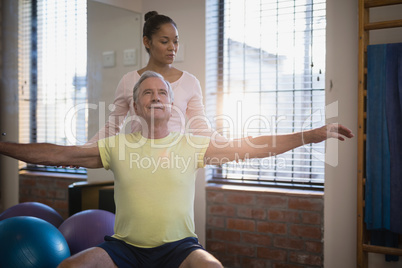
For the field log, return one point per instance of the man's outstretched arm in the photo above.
(53, 155)
(266, 146)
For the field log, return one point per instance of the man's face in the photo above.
(153, 100)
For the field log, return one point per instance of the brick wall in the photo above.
(264, 228)
(51, 190)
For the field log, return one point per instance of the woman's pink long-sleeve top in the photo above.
(188, 113)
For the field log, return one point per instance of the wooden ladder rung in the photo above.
(382, 250)
(382, 25)
(380, 3)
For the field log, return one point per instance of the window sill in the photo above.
(259, 189)
(78, 177)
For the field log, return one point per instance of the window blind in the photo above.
(52, 72)
(266, 75)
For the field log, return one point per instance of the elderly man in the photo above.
(154, 173)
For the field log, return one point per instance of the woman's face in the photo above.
(164, 44)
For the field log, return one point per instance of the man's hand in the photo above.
(323, 133)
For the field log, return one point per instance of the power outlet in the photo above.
(108, 59)
(130, 57)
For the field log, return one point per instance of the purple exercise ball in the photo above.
(33, 209)
(87, 229)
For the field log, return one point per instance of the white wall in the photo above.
(9, 101)
(340, 181)
(133, 5)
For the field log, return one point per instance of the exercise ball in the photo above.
(33, 209)
(30, 242)
(87, 229)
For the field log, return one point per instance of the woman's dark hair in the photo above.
(153, 22)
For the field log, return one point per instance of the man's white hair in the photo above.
(148, 74)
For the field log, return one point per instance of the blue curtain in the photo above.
(383, 195)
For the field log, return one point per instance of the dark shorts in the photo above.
(169, 255)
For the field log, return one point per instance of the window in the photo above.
(52, 73)
(266, 75)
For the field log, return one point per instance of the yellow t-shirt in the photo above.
(154, 185)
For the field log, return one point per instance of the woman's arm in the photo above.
(53, 155)
(266, 146)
